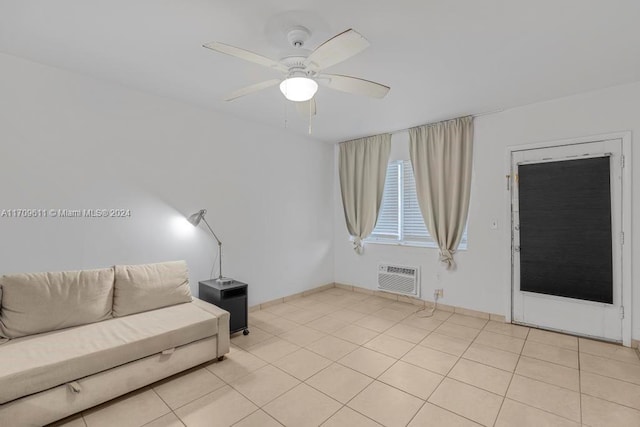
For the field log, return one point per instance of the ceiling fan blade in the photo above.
(307, 108)
(251, 89)
(337, 49)
(354, 85)
(246, 55)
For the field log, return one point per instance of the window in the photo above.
(400, 220)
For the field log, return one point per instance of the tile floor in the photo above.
(339, 358)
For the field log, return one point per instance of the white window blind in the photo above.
(400, 219)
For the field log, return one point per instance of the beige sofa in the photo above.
(72, 340)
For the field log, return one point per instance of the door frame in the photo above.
(627, 204)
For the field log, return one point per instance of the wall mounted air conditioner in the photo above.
(399, 279)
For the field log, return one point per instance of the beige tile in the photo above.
(501, 342)
(610, 368)
(515, 331)
(186, 387)
(407, 333)
(134, 409)
(457, 331)
(272, 303)
(236, 364)
(256, 336)
(367, 361)
(258, 419)
(355, 334)
(365, 307)
(482, 376)
(549, 373)
(451, 345)
(610, 389)
(327, 324)
(275, 326)
(412, 379)
(624, 354)
(213, 409)
(492, 356)
(302, 335)
(169, 420)
(551, 353)
(273, 349)
(597, 348)
(305, 302)
(339, 382)
(472, 313)
(386, 405)
(265, 384)
(375, 323)
(442, 313)
(389, 345)
(339, 291)
(430, 359)
(550, 398)
(426, 323)
(347, 417)
(553, 338)
(497, 318)
(600, 413)
(332, 348)
(302, 363)
(261, 315)
(282, 309)
(303, 316)
(391, 314)
(469, 321)
(516, 414)
(432, 415)
(302, 406)
(346, 315)
(72, 421)
(407, 307)
(467, 401)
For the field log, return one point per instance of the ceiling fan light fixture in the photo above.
(298, 89)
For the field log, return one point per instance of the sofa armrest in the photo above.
(223, 324)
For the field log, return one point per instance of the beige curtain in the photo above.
(441, 156)
(363, 169)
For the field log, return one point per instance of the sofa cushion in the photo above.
(39, 302)
(39, 362)
(145, 287)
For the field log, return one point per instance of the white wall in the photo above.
(483, 270)
(67, 141)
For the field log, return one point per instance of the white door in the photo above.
(564, 278)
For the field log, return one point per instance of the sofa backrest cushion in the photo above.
(42, 302)
(146, 287)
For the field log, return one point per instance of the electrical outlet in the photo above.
(439, 293)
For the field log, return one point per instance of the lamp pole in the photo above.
(195, 220)
(220, 278)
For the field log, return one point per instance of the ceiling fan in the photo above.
(303, 69)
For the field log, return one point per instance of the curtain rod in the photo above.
(393, 132)
(486, 113)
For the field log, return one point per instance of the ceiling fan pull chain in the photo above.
(286, 115)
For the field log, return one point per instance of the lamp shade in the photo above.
(298, 88)
(195, 218)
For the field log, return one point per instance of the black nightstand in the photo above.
(230, 296)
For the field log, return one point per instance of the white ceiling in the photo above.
(442, 58)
